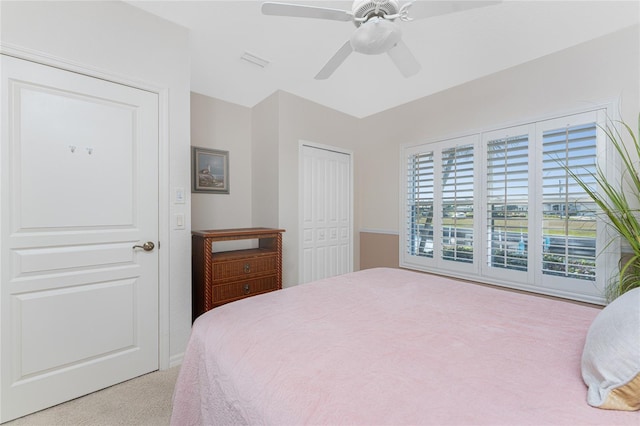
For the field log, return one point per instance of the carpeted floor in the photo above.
(145, 400)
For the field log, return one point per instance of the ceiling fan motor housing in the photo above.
(366, 9)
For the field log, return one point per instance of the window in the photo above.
(457, 203)
(499, 207)
(508, 202)
(420, 204)
(569, 216)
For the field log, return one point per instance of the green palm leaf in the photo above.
(620, 202)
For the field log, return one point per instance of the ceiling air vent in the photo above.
(255, 60)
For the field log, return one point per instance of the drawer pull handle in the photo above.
(246, 289)
(247, 268)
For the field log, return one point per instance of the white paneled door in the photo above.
(326, 197)
(79, 181)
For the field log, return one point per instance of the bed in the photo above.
(389, 347)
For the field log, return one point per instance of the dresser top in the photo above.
(237, 232)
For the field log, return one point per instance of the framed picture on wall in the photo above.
(209, 170)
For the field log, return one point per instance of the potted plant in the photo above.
(619, 201)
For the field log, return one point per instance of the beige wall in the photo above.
(263, 143)
(605, 69)
(265, 163)
(379, 249)
(302, 120)
(601, 70)
(117, 40)
(220, 125)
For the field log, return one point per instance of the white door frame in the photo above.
(301, 144)
(163, 174)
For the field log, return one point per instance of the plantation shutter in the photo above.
(534, 228)
(508, 202)
(457, 203)
(569, 221)
(420, 204)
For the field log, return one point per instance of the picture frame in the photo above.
(209, 170)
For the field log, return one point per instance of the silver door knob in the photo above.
(148, 246)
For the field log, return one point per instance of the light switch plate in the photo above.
(179, 196)
(179, 221)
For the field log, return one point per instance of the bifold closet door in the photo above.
(326, 213)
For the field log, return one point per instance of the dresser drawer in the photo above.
(246, 267)
(223, 293)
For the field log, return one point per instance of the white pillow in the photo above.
(611, 356)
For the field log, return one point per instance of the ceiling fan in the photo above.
(377, 30)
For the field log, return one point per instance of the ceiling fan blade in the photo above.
(335, 61)
(303, 11)
(404, 59)
(427, 9)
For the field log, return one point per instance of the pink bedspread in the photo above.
(389, 347)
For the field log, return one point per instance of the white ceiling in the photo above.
(453, 49)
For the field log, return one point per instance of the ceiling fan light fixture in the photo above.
(376, 36)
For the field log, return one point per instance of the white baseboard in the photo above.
(176, 360)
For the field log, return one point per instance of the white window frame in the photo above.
(533, 279)
(606, 255)
(499, 275)
(436, 263)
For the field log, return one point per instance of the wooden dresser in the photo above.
(220, 277)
